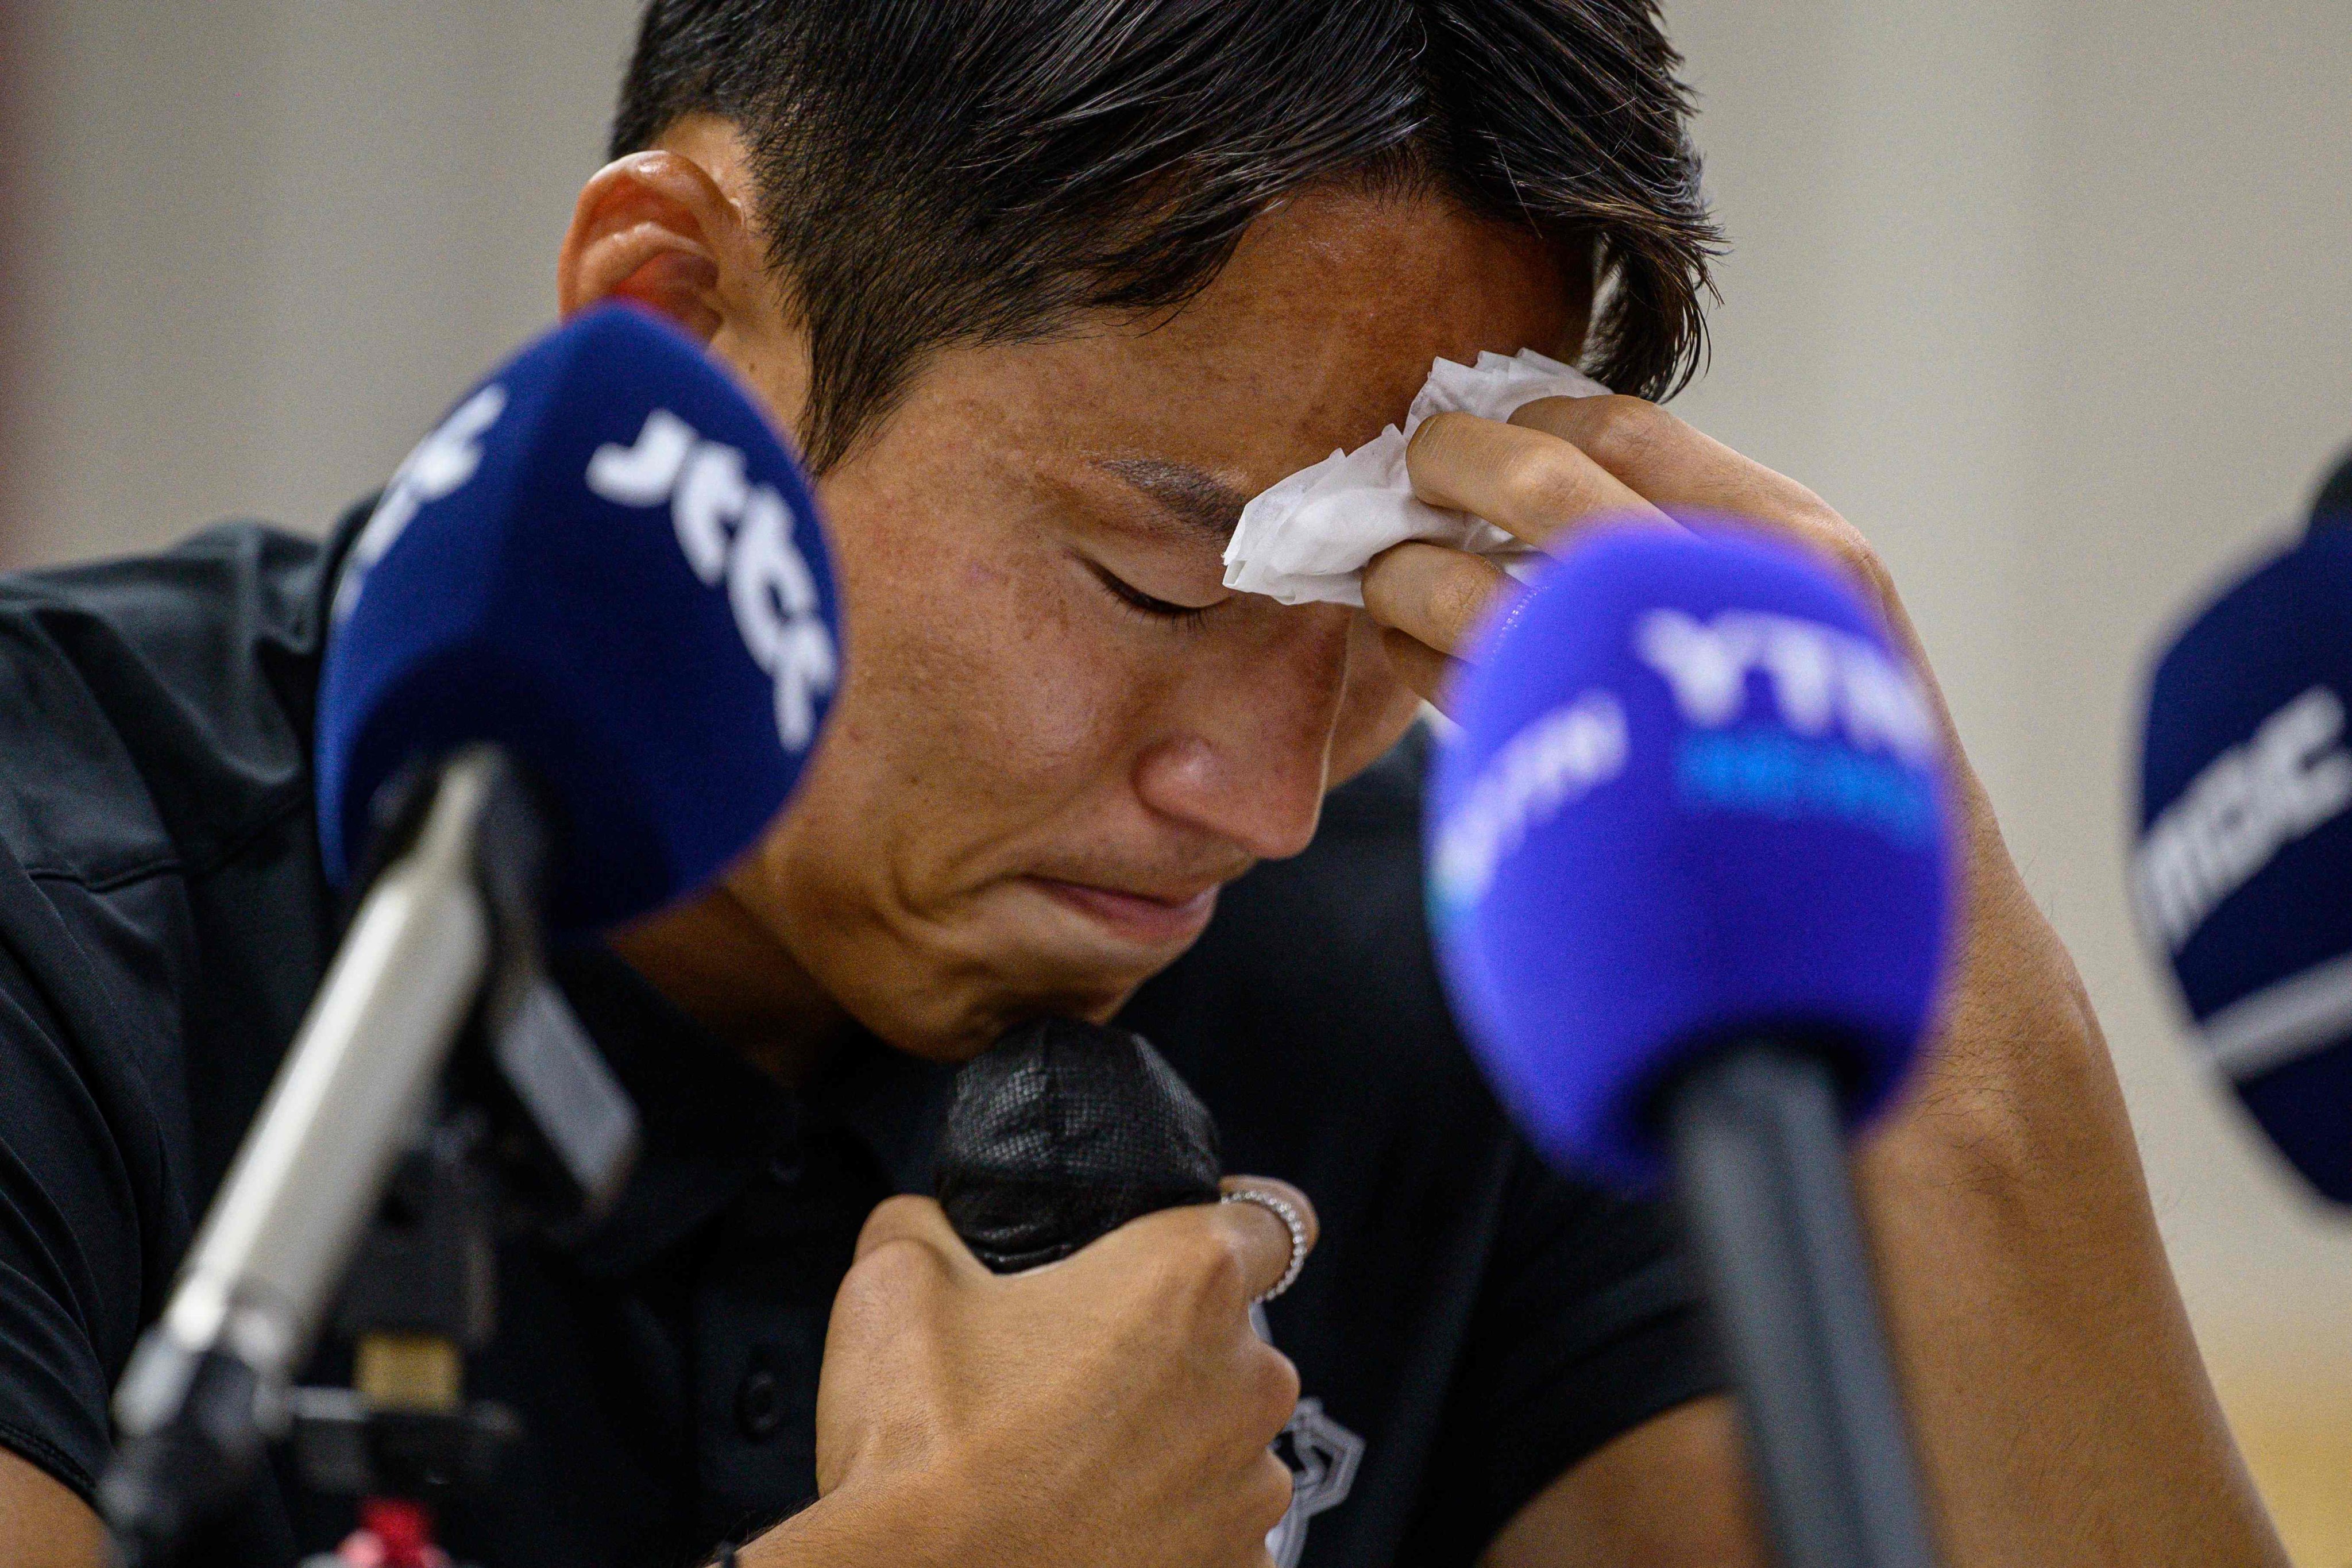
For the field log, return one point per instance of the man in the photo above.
(1045, 289)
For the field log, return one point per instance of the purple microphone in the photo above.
(1691, 878)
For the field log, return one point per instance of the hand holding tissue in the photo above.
(1305, 540)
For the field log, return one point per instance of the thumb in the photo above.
(922, 1222)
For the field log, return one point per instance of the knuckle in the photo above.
(892, 1274)
(1460, 596)
(1839, 536)
(1535, 481)
(893, 1217)
(1195, 1267)
(1267, 1489)
(1273, 1396)
(1850, 550)
(1620, 431)
(1220, 1283)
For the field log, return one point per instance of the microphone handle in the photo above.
(1062, 1133)
(1760, 1159)
(206, 1384)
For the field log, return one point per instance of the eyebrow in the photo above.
(1198, 499)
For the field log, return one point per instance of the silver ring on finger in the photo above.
(1286, 1211)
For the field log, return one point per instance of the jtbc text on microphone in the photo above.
(1284, 783)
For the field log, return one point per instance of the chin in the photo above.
(986, 1013)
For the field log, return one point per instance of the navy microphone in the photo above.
(2332, 508)
(586, 643)
(2241, 878)
(1690, 875)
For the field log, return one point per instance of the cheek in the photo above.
(983, 690)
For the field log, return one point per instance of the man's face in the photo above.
(1059, 733)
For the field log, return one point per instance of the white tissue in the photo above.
(1305, 540)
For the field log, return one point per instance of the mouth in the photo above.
(1142, 918)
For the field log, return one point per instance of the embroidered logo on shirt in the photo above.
(1322, 1456)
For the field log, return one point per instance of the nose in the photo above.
(1248, 748)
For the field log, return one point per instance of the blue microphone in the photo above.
(576, 660)
(2241, 878)
(1691, 877)
(604, 561)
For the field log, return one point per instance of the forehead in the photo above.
(1318, 334)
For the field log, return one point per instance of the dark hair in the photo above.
(933, 171)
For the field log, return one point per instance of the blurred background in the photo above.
(2053, 296)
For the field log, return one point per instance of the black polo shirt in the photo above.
(1470, 1327)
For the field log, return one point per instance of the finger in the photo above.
(1430, 674)
(1686, 471)
(1667, 460)
(921, 1221)
(1260, 1241)
(1434, 595)
(1526, 483)
(1275, 1188)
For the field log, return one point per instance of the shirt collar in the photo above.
(711, 1121)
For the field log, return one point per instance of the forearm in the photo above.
(43, 1525)
(2062, 1411)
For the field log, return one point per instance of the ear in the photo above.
(656, 228)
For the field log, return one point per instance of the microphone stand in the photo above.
(420, 1296)
(1760, 1157)
(363, 1160)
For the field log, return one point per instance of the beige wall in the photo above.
(274, 238)
(2054, 299)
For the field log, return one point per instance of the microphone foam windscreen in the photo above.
(1063, 1131)
(1696, 797)
(2332, 507)
(2243, 876)
(605, 560)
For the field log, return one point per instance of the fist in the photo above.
(1114, 1408)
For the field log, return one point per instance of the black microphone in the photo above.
(1062, 1133)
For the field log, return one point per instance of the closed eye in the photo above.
(1143, 604)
